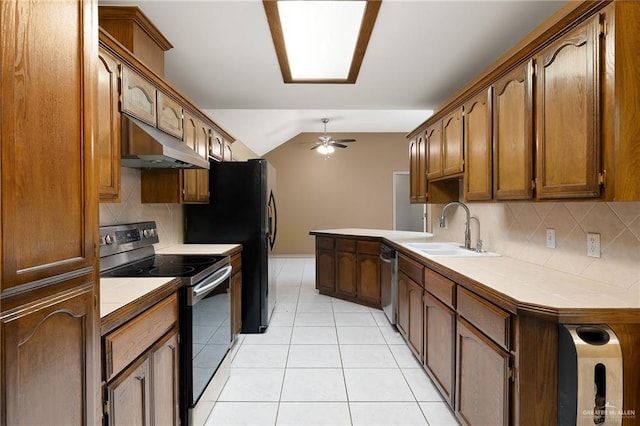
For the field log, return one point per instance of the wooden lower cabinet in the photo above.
(236, 295)
(142, 381)
(325, 270)
(410, 317)
(483, 378)
(129, 396)
(349, 269)
(439, 345)
(346, 269)
(49, 359)
(368, 280)
(164, 360)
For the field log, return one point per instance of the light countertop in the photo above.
(527, 284)
(116, 293)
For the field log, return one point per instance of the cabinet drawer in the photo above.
(488, 318)
(411, 268)
(368, 247)
(324, 243)
(130, 340)
(345, 245)
(441, 287)
(236, 263)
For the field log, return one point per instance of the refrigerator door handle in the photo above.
(273, 220)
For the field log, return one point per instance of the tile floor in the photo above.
(323, 361)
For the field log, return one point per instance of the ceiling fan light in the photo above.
(330, 149)
(323, 150)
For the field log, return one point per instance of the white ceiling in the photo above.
(420, 52)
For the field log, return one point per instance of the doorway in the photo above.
(406, 216)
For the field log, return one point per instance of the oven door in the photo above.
(205, 326)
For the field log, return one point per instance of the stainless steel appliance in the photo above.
(242, 210)
(389, 281)
(205, 306)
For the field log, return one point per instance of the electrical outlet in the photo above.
(551, 238)
(593, 244)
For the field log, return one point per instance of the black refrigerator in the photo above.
(242, 210)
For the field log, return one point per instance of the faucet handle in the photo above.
(479, 246)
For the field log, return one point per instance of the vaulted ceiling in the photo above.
(420, 52)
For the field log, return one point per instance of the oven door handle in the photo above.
(218, 278)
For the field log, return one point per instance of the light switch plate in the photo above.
(551, 238)
(593, 244)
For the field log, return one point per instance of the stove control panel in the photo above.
(120, 238)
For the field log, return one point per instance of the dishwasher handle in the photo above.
(385, 259)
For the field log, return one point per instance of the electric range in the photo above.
(126, 251)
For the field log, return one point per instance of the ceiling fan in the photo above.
(326, 143)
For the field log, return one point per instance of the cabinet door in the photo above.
(452, 148)
(108, 129)
(568, 115)
(439, 343)
(227, 152)
(236, 300)
(434, 151)
(130, 395)
(49, 362)
(477, 137)
(513, 134)
(417, 170)
(138, 96)
(416, 308)
(482, 378)
(325, 275)
(166, 410)
(369, 279)
(413, 171)
(48, 78)
(346, 273)
(403, 304)
(216, 148)
(169, 115)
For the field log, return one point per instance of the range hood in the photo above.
(144, 146)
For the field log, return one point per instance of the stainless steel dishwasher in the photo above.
(389, 281)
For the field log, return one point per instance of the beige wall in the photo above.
(519, 230)
(352, 188)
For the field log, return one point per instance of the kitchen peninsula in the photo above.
(488, 322)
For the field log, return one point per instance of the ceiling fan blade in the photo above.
(339, 145)
(343, 140)
(316, 146)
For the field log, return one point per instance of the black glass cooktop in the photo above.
(166, 265)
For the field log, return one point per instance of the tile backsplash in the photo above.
(168, 217)
(518, 230)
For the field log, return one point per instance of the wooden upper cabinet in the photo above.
(568, 114)
(434, 151)
(191, 129)
(478, 146)
(49, 191)
(417, 169)
(196, 182)
(216, 147)
(138, 96)
(108, 128)
(169, 115)
(513, 134)
(452, 144)
(227, 151)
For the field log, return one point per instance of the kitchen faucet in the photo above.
(467, 230)
(479, 240)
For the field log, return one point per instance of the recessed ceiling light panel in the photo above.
(320, 37)
(321, 41)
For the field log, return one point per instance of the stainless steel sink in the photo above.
(446, 250)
